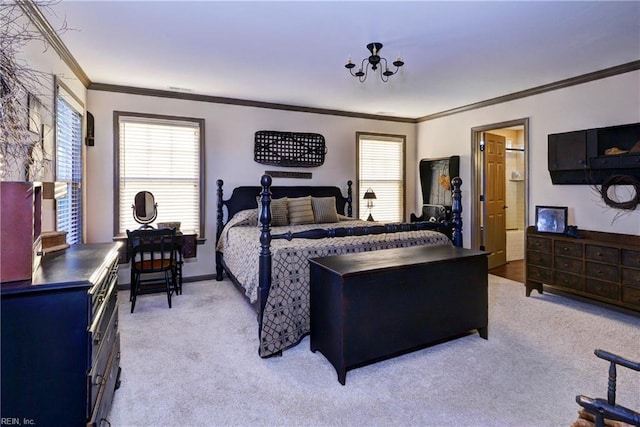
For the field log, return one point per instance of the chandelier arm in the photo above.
(383, 77)
(364, 67)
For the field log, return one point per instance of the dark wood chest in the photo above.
(375, 305)
(601, 266)
(60, 342)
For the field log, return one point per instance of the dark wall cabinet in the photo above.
(579, 157)
(60, 342)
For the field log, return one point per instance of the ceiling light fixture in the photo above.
(375, 60)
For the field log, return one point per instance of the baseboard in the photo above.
(127, 286)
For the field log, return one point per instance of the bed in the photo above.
(266, 256)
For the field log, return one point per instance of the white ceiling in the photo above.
(455, 53)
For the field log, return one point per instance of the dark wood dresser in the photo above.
(60, 342)
(601, 266)
(374, 305)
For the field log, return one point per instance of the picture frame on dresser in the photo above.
(551, 219)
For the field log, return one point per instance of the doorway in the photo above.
(499, 190)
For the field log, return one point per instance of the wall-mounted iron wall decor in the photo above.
(290, 149)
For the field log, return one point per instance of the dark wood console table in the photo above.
(374, 305)
(187, 244)
(601, 266)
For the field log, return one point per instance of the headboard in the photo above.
(244, 197)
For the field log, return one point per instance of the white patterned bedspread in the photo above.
(286, 316)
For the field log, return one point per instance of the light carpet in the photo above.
(197, 364)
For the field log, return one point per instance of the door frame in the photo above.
(477, 168)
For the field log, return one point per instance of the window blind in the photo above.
(162, 156)
(69, 169)
(381, 169)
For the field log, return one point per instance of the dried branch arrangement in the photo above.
(20, 85)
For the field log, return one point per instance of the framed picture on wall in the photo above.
(551, 219)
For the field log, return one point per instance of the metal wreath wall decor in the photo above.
(291, 149)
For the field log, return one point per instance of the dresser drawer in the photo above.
(99, 370)
(102, 323)
(603, 289)
(567, 280)
(570, 265)
(602, 254)
(538, 274)
(104, 393)
(631, 277)
(568, 248)
(631, 258)
(538, 244)
(631, 296)
(542, 259)
(602, 271)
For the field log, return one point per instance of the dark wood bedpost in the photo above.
(349, 199)
(456, 212)
(264, 267)
(219, 226)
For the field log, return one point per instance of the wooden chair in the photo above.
(153, 252)
(602, 409)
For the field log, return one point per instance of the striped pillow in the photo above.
(279, 212)
(324, 209)
(300, 210)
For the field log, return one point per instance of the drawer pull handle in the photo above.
(99, 380)
(566, 264)
(565, 249)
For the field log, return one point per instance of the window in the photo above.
(163, 155)
(69, 163)
(380, 163)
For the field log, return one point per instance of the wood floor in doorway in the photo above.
(512, 270)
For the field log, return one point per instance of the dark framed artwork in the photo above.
(551, 219)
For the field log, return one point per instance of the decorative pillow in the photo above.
(246, 217)
(324, 209)
(279, 212)
(300, 210)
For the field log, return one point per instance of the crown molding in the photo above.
(33, 12)
(572, 81)
(240, 102)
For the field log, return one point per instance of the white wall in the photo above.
(229, 134)
(48, 64)
(606, 102)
